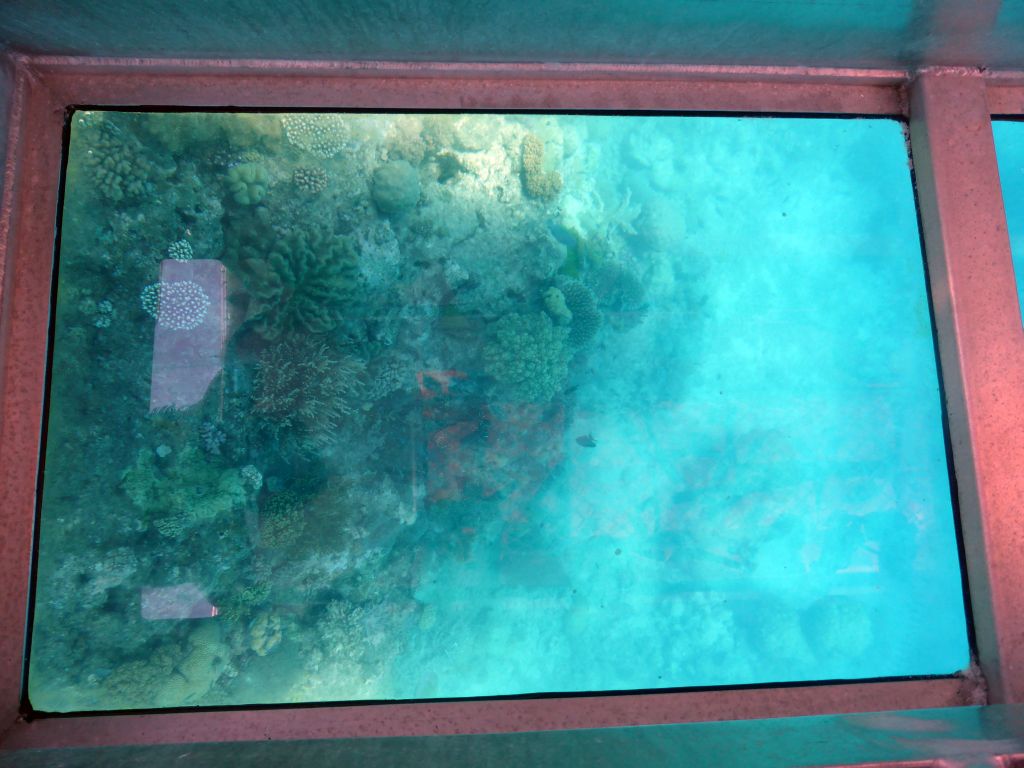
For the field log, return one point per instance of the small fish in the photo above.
(587, 441)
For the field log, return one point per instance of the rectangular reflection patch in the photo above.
(392, 406)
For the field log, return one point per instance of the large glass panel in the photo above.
(383, 406)
(1009, 138)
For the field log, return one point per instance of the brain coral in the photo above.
(305, 281)
(528, 356)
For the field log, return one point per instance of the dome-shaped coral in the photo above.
(528, 356)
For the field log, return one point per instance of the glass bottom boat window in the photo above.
(406, 406)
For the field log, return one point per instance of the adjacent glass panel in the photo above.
(1009, 138)
(409, 406)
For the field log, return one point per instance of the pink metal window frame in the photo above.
(981, 342)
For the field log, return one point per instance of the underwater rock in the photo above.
(247, 183)
(538, 182)
(395, 187)
(528, 356)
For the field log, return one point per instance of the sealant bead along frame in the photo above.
(975, 313)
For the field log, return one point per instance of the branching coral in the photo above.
(528, 356)
(305, 281)
(303, 391)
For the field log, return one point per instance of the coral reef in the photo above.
(303, 391)
(554, 304)
(528, 356)
(182, 490)
(837, 625)
(539, 183)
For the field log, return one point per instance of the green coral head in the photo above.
(248, 183)
(528, 356)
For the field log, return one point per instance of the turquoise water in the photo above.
(413, 406)
(1008, 136)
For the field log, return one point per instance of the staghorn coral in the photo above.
(528, 356)
(586, 318)
(303, 391)
(538, 183)
(305, 281)
(247, 183)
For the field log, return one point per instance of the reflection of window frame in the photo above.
(979, 330)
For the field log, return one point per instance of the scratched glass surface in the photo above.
(358, 407)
